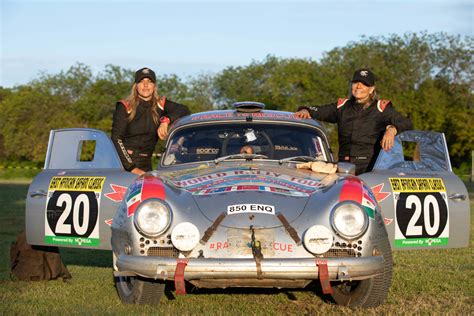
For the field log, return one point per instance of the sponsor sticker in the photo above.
(72, 211)
(250, 208)
(421, 212)
(242, 179)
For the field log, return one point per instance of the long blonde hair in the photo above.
(133, 99)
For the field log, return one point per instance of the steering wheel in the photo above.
(270, 151)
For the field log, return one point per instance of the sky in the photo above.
(189, 38)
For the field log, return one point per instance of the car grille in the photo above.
(339, 253)
(163, 252)
(341, 249)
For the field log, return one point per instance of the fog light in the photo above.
(318, 239)
(185, 236)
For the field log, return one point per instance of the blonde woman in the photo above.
(140, 119)
(365, 123)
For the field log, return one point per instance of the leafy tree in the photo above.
(279, 83)
(28, 116)
(428, 77)
(201, 93)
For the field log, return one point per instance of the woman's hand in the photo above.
(163, 130)
(388, 138)
(137, 171)
(304, 114)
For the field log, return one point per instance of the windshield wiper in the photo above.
(241, 156)
(297, 158)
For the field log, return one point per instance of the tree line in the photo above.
(428, 77)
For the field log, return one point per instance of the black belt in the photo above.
(144, 155)
(136, 153)
(348, 158)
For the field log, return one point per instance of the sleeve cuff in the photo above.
(165, 119)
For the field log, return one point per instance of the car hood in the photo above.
(265, 190)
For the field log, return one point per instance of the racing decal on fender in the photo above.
(117, 194)
(368, 204)
(387, 221)
(421, 212)
(153, 188)
(144, 188)
(134, 196)
(379, 194)
(72, 211)
(354, 190)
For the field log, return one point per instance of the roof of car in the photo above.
(234, 115)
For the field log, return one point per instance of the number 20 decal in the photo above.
(72, 213)
(421, 215)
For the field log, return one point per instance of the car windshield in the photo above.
(251, 140)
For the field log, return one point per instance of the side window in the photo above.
(416, 151)
(86, 150)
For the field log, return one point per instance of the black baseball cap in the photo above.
(365, 76)
(145, 73)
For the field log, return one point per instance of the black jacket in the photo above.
(139, 136)
(360, 130)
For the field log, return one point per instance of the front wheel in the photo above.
(137, 290)
(367, 293)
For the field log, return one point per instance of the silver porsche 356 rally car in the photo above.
(230, 206)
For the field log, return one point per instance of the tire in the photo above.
(367, 293)
(137, 290)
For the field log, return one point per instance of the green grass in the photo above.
(425, 282)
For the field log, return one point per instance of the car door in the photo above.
(71, 203)
(424, 204)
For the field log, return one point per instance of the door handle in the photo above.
(39, 193)
(457, 197)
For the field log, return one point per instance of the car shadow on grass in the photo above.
(87, 257)
(314, 288)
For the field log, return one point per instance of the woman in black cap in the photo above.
(365, 123)
(140, 119)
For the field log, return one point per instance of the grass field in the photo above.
(425, 282)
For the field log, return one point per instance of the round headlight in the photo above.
(349, 220)
(185, 236)
(152, 217)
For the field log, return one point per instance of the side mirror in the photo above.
(346, 167)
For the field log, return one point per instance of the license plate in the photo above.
(251, 208)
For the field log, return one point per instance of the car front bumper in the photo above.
(163, 268)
